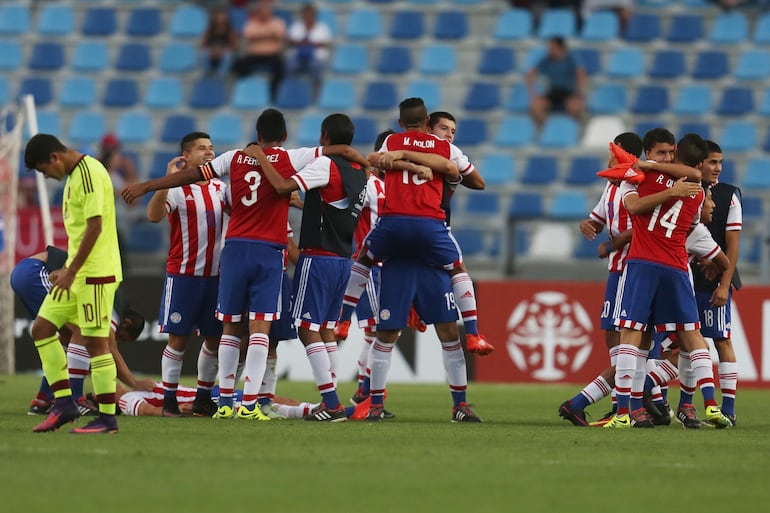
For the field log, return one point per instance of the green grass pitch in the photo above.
(523, 458)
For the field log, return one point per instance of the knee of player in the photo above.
(42, 328)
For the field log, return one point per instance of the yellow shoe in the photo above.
(716, 418)
(255, 414)
(619, 421)
(224, 412)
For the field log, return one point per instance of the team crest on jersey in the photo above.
(549, 336)
(385, 314)
(176, 317)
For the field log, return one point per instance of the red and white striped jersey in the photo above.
(373, 201)
(196, 215)
(701, 244)
(734, 215)
(130, 402)
(611, 212)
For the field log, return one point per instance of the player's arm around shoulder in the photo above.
(157, 208)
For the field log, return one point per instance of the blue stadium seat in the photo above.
(407, 25)
(380, 95)
(294, 93)
(329, 17)
(77, 92)
(48, 122)
(540, 170)
(582, 171)
(483, 204)
(762, 30)
(693, 100)
(702, 129)
(470, 132)
(589, 58)
(160, 160)
(516, 132)
(497, 60)
(751, 249)
(526, 205)
(174, 128)
(177, 57)
(395, 59)
(226, 128)
(38, 87)
(366, 130)
(208, 93)
(625, 63)
(753, 209)
(559, 132)
(650, 100)
(350, 59)
(518, 99)
(99, 21)
(364, 24)
(121, 92)
(534, 55)
(47, 56)
(482, 96)
(10, 55)
(600, 26)
(87, 127)
(188, 21)
(438, 59)
(145, 237)
(14, 20)
(90, 55)
(251, 93)
(756, 176)
(56, 20)
(134, 57)
(667, 64)
(470, 240)
(730, 28)
(607, 99)
(736, 101)
(5, 91)
(711, 65)
(144, 22)
(643, 127)
(451, 25)
(285, 14)
(753, 64)
(568, 205)
(685, 28)
(135, 127)
(513, 24)
(557, 22)
(164, 93)
(643, 28)
(739, 136)
(337, 94)
(498, 168)
(587, 249)
(764, 104)
(309, 130)
(428, 90)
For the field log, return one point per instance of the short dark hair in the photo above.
(630, 142)
(558, 41)
(412, 112)
(691, 150)
(39, 149)
(135, 325)
(271, 126)
(712, 147)
(657, 135)
(184, 145)
(438, 115)
(338, 128)
(381, 138)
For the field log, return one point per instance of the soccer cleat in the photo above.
(271, 412)
(414, 321)
(204, 407)
(358, 398)
(731, 417)
(39, 407)
(388, 414)
(602, 421)
(57, 417)
(716, 418)
(224, 412)
(619, 421)
(477, 344)
(249, 414)
(341, 330)
(463, 413)
(86, 407)
(375, 413)
(641, 419)
(102, 425)
(660, 413)
(323, 413)
(577, 417)
(171, 414)
(685, 415)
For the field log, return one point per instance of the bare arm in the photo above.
(474, 180)
(614, 244)
(346, 152)
(636, 204)
(423, 172)
(437, 163)
(675, 170)
(156, 209)
(293, 251)
(186, 176)
(529, 80)
(67, 274)
(589, 228)
(720, 295)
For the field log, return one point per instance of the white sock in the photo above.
(359, 276)
(702, 368)
(229, 353)
(640, 373)
(363, 356)
(686, 375)
(78, 361)
(596, 390)
(269, 380)
(462, 287)
(254, 368)
(295, 412)
(319, 362)
(334, 360)
(454, 365)
(613, 355)
(728, 378)
(171, 367)
(207, 368)
(380, 366)
(625, 368)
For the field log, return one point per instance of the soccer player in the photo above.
(189, 301)
(84, 290)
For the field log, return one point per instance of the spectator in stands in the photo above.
(123, 172)
(309, 41)
(565, 79)
(623, 8)
(264, 35)
(219, 42)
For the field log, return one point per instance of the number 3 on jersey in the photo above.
(667, 220)
(253, 178)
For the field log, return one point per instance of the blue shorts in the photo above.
(366, 310)
(283, 328)
(428, 240)
(189, 303)
(29, 280)
(319, 284)
(610, 297)
(714, 320)
(658, 295)
(250, 279)
(405, 282)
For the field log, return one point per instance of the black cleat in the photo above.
(577, 417)
(641, 419)
(685, 415)
(463, 413)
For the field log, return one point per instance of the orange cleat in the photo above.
(478, 344)
(415, 322)
(341, 330)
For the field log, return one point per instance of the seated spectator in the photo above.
(219, 42)
(309, 41)
(122, 169)
(264, 36)
(565, 79)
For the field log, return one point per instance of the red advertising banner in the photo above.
(29, 234)
(548, 332)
